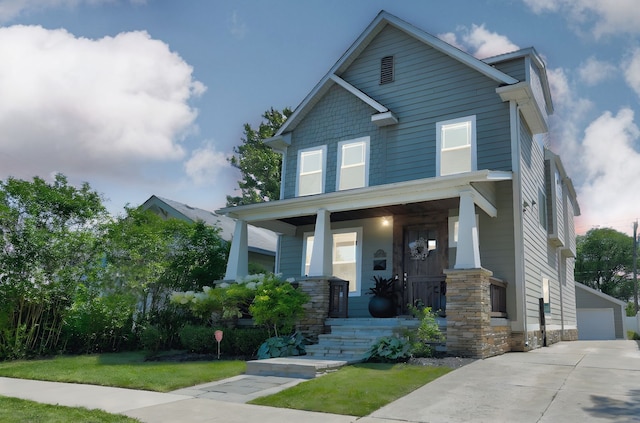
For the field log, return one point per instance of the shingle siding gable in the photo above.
(429, 86)
(338, 116)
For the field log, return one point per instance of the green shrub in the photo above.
(282, 346)
(427, 334)
(389, 349)
(277, 305)
(97, 323)
(151, 339)
(244, 341)
(198, 339)
(633, 335)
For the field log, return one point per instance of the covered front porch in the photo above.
(432, 236)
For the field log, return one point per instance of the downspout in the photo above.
(518, 231)
(283, 169)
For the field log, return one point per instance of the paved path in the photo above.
(584, 381)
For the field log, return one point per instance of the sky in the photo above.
(149, 97)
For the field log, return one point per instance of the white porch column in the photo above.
(468, 250)
(238, 264)
(321, 254)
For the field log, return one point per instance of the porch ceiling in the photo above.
(399, 209)
(381, 200)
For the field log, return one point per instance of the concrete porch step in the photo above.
(294, 367)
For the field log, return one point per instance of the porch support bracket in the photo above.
(238, 264)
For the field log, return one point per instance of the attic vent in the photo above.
(386, 70)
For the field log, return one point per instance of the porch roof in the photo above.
(280, 216)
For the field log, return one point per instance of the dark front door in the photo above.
(423, 278)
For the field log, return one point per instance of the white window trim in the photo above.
(439, 125)
(366, 141)
(324, 168)
(358, 284)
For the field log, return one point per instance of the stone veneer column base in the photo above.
(317, 309)
(469, 329)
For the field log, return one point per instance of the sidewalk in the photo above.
(586, 381)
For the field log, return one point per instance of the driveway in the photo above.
(580, 381)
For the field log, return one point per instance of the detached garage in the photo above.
(600, 316)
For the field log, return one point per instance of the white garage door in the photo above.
(596, 324)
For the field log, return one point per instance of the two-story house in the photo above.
(412, 158)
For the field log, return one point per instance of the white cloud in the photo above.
(479, 41)
(205, 164)
(567, 121)
(237, 27)
(487, 43)
(609, 156)
(451, 38)
(82, 105)
(594, 71)
(599, 16)
(632, 70)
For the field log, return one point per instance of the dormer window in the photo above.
(386, 70)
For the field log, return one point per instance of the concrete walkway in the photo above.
(585, 381)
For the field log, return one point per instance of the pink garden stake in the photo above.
(218, 335)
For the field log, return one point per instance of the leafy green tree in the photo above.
(150, 257)
(48, 237)
(603, 262)
(259, 165)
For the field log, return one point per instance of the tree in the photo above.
(48, 237)
(259, 165)
(150, 256)
(603, 262)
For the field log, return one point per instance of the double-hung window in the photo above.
(346, 256)
(311, 170)
(353, 164)
(456, 145)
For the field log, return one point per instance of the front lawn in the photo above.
(124, 370)
(14, 410)
(356, 390)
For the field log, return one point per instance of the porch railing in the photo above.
(431, 292)
(498, 298)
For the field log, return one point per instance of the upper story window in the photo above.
(456, 145)
(311, 170)
(386, 70)
(353, 164)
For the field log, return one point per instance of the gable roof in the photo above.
(599, 294)
(260, 240)
(375, 27)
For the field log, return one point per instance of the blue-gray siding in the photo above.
(429, 87)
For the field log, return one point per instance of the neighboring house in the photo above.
(411, 158)
(262, 244)
(600, 316)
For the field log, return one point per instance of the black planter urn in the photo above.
(382, 307)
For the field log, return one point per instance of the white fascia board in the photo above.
(384, 119)
(362, 96)
(522, 94)
(427, 189)
(450, 50)
(279, 142)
